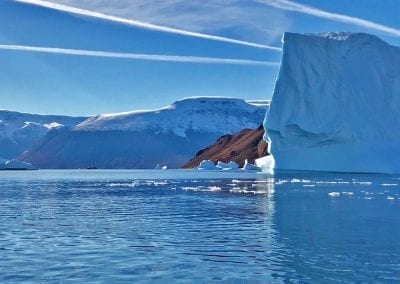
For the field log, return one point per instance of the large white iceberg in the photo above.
(336, 104)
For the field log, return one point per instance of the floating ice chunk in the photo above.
(334, 194)
(249, 167)
(186, 188)
(207, 165)
(17, 165)
(390, 198)
(266, 164)
(363, 182)
(231, 166)
(202, 188)
(158, 167)
(132, 184)
(221, 165)
(214, 188)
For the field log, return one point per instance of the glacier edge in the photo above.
(336, 104)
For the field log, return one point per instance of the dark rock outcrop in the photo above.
(246, 144)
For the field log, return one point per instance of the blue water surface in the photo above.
(180, 225)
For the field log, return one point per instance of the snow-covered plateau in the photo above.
(336, 104)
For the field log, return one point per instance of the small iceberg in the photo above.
(231, 166)
(266, 164)
(207, 165)
(15, 165)
(249, 167)
(158, 167)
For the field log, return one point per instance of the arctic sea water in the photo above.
(124, 226)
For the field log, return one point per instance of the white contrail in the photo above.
(309, 10)
(144, 25)
(137, 56)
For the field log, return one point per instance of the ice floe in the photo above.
(250, 167)
(15, 165)
(207, 165)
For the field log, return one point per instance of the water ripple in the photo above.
(127, 226)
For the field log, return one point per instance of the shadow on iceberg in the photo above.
(336, 104)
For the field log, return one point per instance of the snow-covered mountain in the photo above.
(141, 139)
(336, 104)
(195, 114)
(19, 131)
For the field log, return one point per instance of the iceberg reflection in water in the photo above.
(88, 226)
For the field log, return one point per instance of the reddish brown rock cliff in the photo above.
(246, 144)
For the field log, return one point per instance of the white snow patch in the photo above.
(53, 125)
(201, 114)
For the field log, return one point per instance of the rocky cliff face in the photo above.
(246, 144)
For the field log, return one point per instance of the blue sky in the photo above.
(81, 85)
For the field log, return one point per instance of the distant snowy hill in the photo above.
(19, 131)
(141, 139)
(336, 104)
